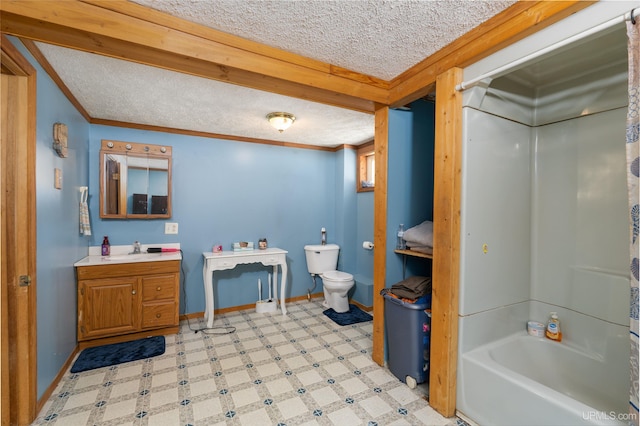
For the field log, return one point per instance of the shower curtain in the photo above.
(633, 178)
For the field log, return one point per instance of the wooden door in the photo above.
(18, 387)
(108, 307)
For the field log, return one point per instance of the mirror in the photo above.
(135, 180)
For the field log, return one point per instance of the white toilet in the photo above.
(323, 260)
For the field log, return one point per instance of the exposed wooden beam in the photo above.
(380, 144)
(511, 25)
(94, 27)
(141, 12)
(446, 243)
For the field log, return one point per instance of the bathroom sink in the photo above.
(138, 257)
(120, 254)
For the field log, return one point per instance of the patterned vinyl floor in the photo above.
(299, 369)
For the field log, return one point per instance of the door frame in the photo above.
(18, 237)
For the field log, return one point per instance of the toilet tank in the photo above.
(321, 258)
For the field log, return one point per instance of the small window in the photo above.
(366, 168)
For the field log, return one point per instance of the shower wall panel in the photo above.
(496, 213)
(580, 228)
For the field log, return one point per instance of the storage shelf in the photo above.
(415, 253)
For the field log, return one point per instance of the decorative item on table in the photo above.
(262, 243)
(243, 246)
(217, 248)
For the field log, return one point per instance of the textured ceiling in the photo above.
(378, 38)
(113, 89)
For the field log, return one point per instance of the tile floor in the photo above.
(302, 369)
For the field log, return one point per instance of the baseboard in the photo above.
(200, 314)
(49, 391)
(361, 306)
(246, 307)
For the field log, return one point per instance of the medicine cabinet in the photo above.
(135, 180)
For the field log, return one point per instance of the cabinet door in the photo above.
(108, 307)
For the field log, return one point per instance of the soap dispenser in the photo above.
(106, 247)
(553, 328)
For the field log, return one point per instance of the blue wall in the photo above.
(59, 243)
(410, 182)
(226, 191)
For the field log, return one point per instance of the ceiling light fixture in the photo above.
(281, 121)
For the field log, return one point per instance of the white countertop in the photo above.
(120, 254)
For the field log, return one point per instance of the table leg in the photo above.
(207, 278)
(274, 283)
(283, 287)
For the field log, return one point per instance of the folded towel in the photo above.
(421, 249)
(412, 287)
(421, 234)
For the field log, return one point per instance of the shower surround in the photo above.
(545, 228)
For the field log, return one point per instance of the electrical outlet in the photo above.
(170, 228)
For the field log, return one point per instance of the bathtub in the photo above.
(525, 380)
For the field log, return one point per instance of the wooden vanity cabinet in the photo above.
(126, 301)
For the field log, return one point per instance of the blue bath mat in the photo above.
(117, 353)
(353, 316)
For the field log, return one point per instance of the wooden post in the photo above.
(380, 230)
(446, 243)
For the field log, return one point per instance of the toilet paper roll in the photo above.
(367, 245)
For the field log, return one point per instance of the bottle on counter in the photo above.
(400, 243)
(106, 247)
(323, 238)
(553, 328)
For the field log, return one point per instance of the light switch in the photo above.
(170, 228)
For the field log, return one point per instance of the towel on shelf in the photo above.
(85, 225)
(412, 288)
(420, 235)
(419, 248)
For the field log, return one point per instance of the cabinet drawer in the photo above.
(224, 263)
(159, 314)
(159, 287)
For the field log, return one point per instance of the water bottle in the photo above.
(400, 244)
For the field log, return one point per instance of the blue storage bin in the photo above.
(408, 327)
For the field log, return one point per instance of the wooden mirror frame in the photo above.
(131, 150)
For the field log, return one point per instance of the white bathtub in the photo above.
(524, 380)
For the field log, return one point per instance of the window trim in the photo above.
(363, 152)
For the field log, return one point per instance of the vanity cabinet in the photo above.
(126, 301)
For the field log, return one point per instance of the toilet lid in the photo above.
(337, 276)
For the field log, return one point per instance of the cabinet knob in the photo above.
(133, 292)
(158, 289)
(158, 315)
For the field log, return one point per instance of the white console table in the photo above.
(230, 259)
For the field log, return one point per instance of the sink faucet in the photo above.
(136, 247)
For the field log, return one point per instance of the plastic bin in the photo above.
(408, 328)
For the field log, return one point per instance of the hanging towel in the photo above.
(85, 225)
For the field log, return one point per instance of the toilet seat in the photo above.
(337, 276)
